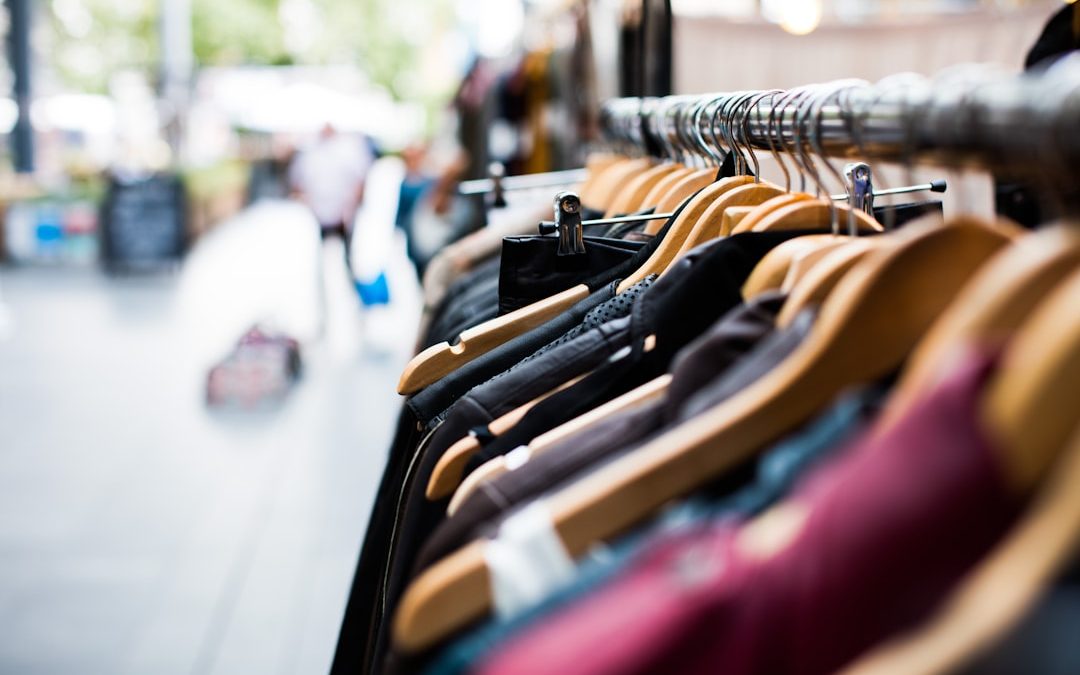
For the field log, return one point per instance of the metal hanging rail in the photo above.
(1005, 123)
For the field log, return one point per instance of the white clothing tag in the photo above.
(527, 561)
(517, 457)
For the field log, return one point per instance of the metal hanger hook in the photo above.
(722, 101)
(821, 98)
(772, 131)
(797, 152)
(708, 146)
(744, 128)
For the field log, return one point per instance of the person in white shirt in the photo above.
(328, 175)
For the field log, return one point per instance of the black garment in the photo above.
(359, 636)
(468, 301)
(431, 402)
(706, 357)
(1060, 36)
(357, 632)
(531, 269)
(897, 215)
(526, 271)
(771, 351)
(588, 213)
(579, 350)
(482, 294)
(700, 287)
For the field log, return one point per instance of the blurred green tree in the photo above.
(88, 40)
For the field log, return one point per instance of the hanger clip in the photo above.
(860, 185)
(568, 224)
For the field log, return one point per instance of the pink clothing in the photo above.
(889, 527)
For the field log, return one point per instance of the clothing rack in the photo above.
(628, 368)
(1027, 124)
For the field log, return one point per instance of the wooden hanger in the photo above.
(438, 361)
(1031, 405)
(747, 223)
(448, 471)
(708, 225)
(603, 192)
(733, 216)
(595, 166)
(664, 185)
(814, 213)
(867, 326)
(682, 190)
(816, 284)
(630, 198)
(497, 466)
(993, 306)
(769, 273)
(669, 247)
(596, 173)
(825, 276)
(804, 261)
(1002, 589)
(796, 215)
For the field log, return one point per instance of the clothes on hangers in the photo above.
(529, 270)
(710, 356)
(719, 267)
(776, 472)
(419, 418)
(851, 559)
(431, 401)
(733, 515)
(696, 291)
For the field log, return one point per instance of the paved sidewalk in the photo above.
(142, 533)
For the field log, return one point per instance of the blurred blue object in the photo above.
(374, 292)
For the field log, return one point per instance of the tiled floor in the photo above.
(141, 533)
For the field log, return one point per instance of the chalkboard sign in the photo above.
(143, 221)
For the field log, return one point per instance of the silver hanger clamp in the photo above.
(568, 221)
(860, 184)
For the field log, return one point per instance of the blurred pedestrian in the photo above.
(328, 175)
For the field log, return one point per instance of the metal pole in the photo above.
(22, 137)
(177, 64)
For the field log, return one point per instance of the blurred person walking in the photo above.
(328, 176)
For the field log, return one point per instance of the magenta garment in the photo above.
(892, 524)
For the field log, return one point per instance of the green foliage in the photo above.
(235, 32)
(88, 40)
